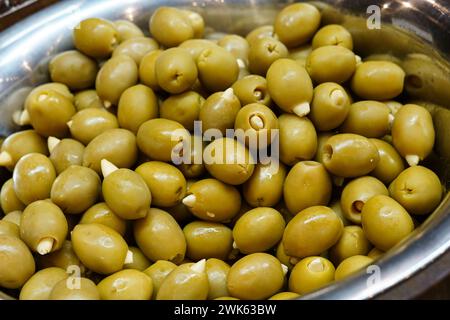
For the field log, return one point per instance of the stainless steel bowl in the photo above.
(417, 32)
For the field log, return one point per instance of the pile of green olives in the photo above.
(95, 207)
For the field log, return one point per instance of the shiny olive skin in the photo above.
(413, 131)
(176, 71)
(160, 237)
(298, 139)
(60, 88)
(43, 220)
(73, 69)
(40, 285)
(236, 45)
(115, 145)
(196, 46)
(147, 70)
(49, 113)
(208, 240)
(140, 261)
(13, 217)
(87, 99)
(417, 189)
(385, 222)
(356, 193)
(290, 86)
(281, 255)
(307, 184)
(127, 194)
(76, 189)
(252, 89)
(352, 242)
(370, 119)
(349, 155)
(64, 258)
(390, 164)
(8, 198)
(332, 35)
(229, 161)
(66, 153)
(351, 265)
(157, 138)
(263, 53)
(375, 253)
(115, 76)
(284, 296)
(170, 26)
(8, 228)
(21, 143)
(87, 290)
(90, 123)
(259, 33)
(310, 274)
(100, 248)
(217, 272)
(196, 21)
(296, 24)
(340, 62)
(165, 182)
(17, 264)
(258, 230)
(102, 214)
(330, 106)
(378, 80)
(192, 166)
(158, 272)
(217, 69)
(33, 169)
(127, 30)
(256, 276)
(183, 108)
(184, 283)
(95, 37)
(311, 232)
(136, 48)
(265, 186)
(219, 111)
(214, 200)
(126, 285)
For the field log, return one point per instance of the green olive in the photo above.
(236, 45)
(183, 108)
(258, 230)
(284, 296)
(290, 86)
(352, 242)
(196, 46)
(76, 189)
(140, 261)
(413, 133)
(252, 89)
(60, 88)
(194, 167)
(417, 189)
(196, 21)
(160, 237)
(187, 282)
(83, 289)
(333, 35)
(256, 276)
(349, 155)
(8, 198)
(259, 33)
(351, 265)
(65, 258)
(356, 193)
(217, 272)
(126, 285)
(217, 69)
(33, 169)
(170, 26)
(208, 240)
(102, 214)
(311, 232)
(307, 184)
(282, 256)
(100, 248)
(390, 164)
(95, 37)
(136, 48)
(393, 106)
(265, 186)
(296, 24)
(65, 153)
(263, 53)
(73, 69)
(115, 145)
(165, 182)
(43, 227)
(385, 222)
(219, 111)
(13, 217)
(40, 285)
(90, 123)
(310, 274)
(322, 138)
(147, 70)
(127, 30)
(213, 200)
(17, 263)
(115, 76)
(330, 106)
(336, 206)
(8, 228)
(87, 99)
(158, 272)
(375, 253)
(378, 80)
